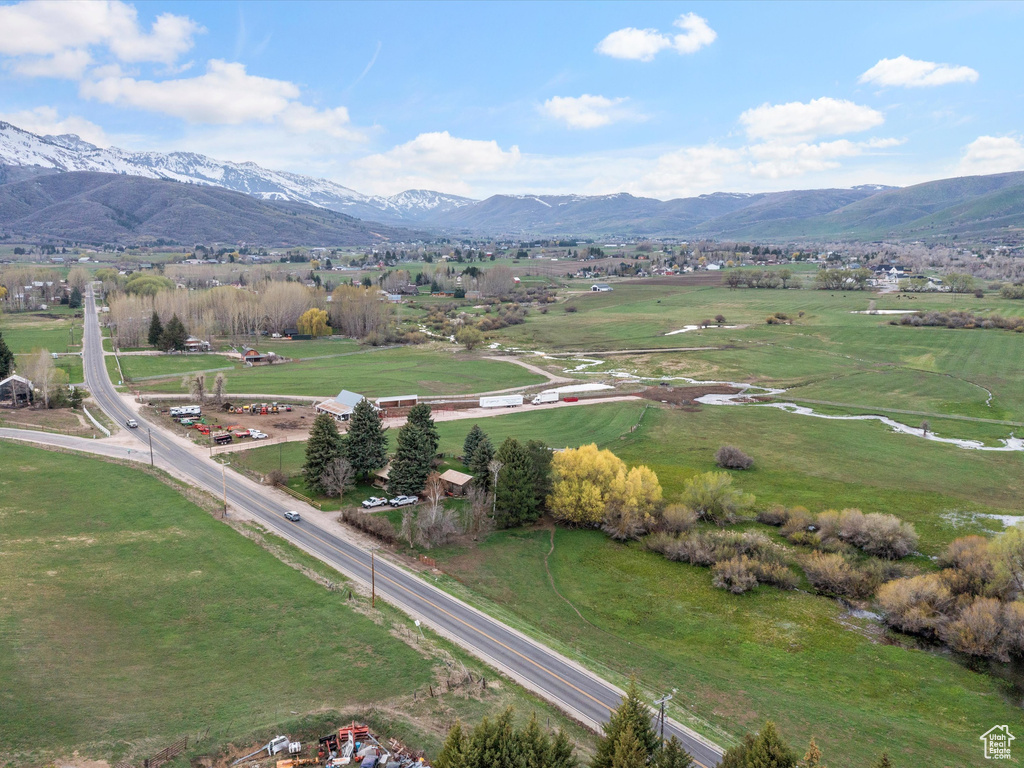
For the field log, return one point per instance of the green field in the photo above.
(27, 332)
(132, 617)
(380, 372)
(828, 354)
(791, 657)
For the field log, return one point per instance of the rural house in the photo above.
(192, 344)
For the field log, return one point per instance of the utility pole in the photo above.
(661, 716)
(224, 479)
(150, 430)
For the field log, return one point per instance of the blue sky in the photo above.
(476, 98)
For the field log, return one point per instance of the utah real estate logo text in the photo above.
(997, 742)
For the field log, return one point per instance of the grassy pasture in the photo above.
(25, 332)
(132, 617)
(383, 372)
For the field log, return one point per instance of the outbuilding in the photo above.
(16, 390)
(456, 483)
(397, 401)
(341, 407)
(600, 287)
(192, 344)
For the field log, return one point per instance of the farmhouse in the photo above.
(341, 407)
(192, 344)
(600, 287)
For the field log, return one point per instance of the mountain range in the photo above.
(976, 206)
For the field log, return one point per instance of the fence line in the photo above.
(299, 496)
(99, 426)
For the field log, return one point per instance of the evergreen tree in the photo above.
(420, 416)
(75, 300)
(174, 335)
(516, 503)
(634, 713)
(366, 445)
(156, 330)
(765, 750)
(628, 752)
(6, 359)
(453, 752)
(482, 455)
(540, 456)
(324, 445)
(534, 746)
(812, 759)
(672, 755)
(561, 754)
(413, 461)
(883, 761)
(472, 441)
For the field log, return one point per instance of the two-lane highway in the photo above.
(577, 691)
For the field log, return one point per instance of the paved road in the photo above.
(580, 693)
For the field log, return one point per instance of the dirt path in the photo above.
(554, 379)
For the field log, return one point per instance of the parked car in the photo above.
(258, 435)
(132, 423)
(403, 501)
(374, 501)
(293, 516)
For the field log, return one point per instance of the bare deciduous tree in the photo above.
(480, 502)
(196, 386)
(338, 476)
(219, 385)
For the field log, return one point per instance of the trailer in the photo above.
(545, 397)
(501, 401)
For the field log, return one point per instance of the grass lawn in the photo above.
(791, 657)
(131, 617)
(381, 372)
(149, 366)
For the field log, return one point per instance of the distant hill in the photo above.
(101, 208)
(68, 152)
(976, 206)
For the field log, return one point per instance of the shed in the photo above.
(16, 389)
(600, 287)
(341, 407)
(397, 401)
(380, 477)
(456, 483)
(252, 356)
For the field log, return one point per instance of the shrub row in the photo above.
(961, 319)
(376, 525)
(875, 533)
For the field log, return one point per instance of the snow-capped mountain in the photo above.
(69, 152)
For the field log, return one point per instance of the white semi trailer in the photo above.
(501, 401)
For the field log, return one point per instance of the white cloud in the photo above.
(992, 154)
(68, 64)
(435, 161)
(586, 111)
(776, 160)
(688, 171)
(633, 43)
(225, 95)
(51, 27)
(697, 33)
(818, 117)
(645, 44)
(46, 121)
(913, 73)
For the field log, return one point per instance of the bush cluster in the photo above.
(740, 560)
(376, 525)
(876, 534)
(961, 319)
(730, 457)
(1011, 291)
(969, 605)
(511, 315)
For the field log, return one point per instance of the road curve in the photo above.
(577, 691)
